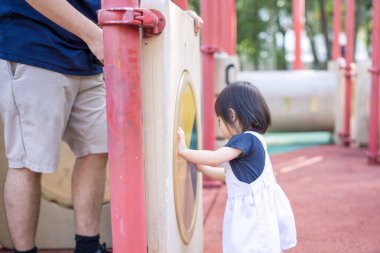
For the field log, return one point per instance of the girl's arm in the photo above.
(215, 173)
(205, 157)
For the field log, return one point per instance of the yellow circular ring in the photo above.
(187, 117)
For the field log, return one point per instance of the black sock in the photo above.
(86, 244)
(34, 250)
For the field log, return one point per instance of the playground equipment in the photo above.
(171, 98)
(361, 105)
(298, 100)
(155, 198)
(226, 72)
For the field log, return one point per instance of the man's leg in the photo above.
(22, 190)
(87, 191)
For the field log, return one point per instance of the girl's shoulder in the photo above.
(246, 141)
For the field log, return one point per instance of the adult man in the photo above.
(51, 88)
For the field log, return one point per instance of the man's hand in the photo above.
(95, 43)
(198, 21)
(65, 15)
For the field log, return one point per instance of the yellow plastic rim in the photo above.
(186, 179)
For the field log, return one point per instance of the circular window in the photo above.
(186, 179)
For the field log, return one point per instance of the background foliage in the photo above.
(264, 25)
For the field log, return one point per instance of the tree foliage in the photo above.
(263, 26)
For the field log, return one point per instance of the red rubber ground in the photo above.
(335, 197)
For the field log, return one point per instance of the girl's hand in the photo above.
(181, 141)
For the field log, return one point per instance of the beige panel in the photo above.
(164, 58)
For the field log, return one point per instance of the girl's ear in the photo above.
(231, 114)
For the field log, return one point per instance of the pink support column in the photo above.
(222, 22)
(298, 9)
(227, 26)
(232, 28)
(350, 34)
(183, 4)
(373, 141)
(337, 19)
(124, 116)
(209, 47)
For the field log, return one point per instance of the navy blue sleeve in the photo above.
(243, 141)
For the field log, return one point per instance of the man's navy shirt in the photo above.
(250, 164)
(27, 37)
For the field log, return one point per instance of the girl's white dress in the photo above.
(258, 216)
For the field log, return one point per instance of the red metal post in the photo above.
(373, 142)
(337, 19)
(183, 4)
(231, 28)
(227, 26)
(222, 17)
(124, 115)
(209, 47)
(349, 53)
(298, 9)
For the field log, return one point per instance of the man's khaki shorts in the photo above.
(39, 108)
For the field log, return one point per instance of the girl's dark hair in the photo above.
(249, 105)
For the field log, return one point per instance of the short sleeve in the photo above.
(243, 141)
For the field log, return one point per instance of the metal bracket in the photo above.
(151, 21)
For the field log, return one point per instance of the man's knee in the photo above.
(24, 173)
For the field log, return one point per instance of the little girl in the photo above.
(258, 217)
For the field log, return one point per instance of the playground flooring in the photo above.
(335, 198)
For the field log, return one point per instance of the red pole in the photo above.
(223, 19)
(298, 9)
(337, 19)
(349, 52)
(209, 47)
(124, 115)
(231, 28)
(373, 142)
(183, 4)
(227, 26)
